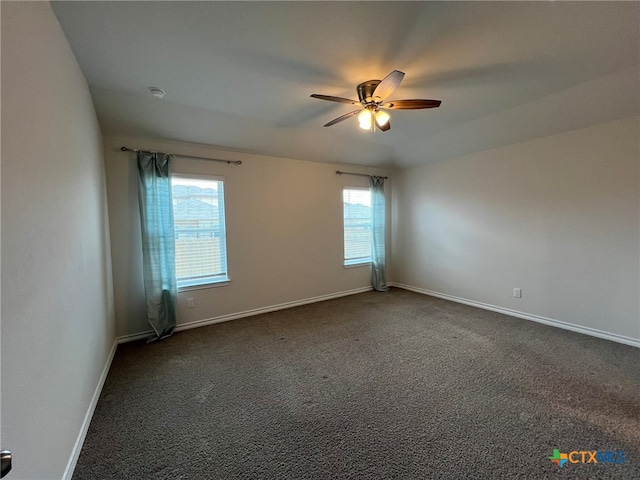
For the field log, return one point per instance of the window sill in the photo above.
(356, 265)
(221, 283)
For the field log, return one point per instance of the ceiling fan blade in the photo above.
(343, 117)
(411, 104)
(387, 85)
(335, 99)
(385, 127)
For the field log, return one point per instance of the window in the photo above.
(201, 245)
(357, 225)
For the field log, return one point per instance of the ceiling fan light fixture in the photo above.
(365, 120)
(382, 117)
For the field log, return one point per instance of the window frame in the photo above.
(360, 261)
(206, 281)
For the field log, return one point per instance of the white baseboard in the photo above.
(75, 453)
(246, 313)
(133, 337)
(526, 316)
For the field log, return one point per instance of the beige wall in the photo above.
(57, 306)
(557, 217)
(284, 232)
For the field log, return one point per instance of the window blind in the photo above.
(357, 225)
(199, 224)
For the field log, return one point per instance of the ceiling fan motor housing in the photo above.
(365, 90)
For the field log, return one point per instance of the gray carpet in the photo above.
(371, 386)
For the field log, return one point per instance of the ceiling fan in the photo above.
(372, 95)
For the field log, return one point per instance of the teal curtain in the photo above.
(378, 264)
(158, 242)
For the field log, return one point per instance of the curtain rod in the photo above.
(234, 162)
(359, 174)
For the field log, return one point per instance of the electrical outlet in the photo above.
(190, 302)
(517, 292)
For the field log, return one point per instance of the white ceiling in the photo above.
(238, 75)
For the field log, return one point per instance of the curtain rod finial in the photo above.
(124, 149)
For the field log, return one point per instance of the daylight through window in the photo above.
(201, 246)
(357, 225)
